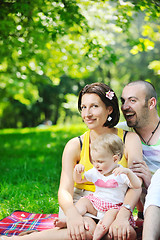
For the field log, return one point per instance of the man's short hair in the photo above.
(150, 89)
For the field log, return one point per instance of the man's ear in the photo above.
(152, 103)
(116, 158)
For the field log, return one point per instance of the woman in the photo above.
(99, 109)
(111, 181)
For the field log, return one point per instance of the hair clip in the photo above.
(110, 95)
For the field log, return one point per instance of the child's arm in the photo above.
(134, 180)
(77, 174)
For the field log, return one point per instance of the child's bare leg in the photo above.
(83, 206)
(104, 224)
(60, 222)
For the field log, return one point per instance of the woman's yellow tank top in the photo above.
(85, 160)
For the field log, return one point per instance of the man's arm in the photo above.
(151, 229)
(151, 226)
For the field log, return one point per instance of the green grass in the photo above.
(30, 166)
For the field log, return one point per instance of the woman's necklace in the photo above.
(147, 142)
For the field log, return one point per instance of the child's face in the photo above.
(103, 161)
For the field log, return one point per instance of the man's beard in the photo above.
(141, 121)
(132, 124)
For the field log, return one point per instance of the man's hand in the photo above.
(142, 171)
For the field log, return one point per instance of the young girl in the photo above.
(111, 181)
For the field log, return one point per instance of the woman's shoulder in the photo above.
(72, 150)
(81, 137)
(76, 141)
(132, 142)
(129, 138)
(73, 141)
(127, 133)
(132, 135)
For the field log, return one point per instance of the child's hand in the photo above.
(79, 168)
(120, 170)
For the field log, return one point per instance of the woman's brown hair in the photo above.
(101, 89)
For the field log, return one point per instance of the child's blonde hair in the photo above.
(109, 142)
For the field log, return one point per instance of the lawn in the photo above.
(30, 166)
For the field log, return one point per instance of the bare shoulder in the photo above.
(74, 143)
(72, 149)
(132, 136)
(133, 148)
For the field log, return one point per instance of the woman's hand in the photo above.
(76, 225)
(141, 170)
(119, 229)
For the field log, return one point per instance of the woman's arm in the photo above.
(75, 223)
(120, 228)
(133, 148)
(138, 166)
(71, 155)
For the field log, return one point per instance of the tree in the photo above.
(43, 40)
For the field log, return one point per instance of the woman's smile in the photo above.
(94, 110)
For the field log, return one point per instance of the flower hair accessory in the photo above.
(110, 95)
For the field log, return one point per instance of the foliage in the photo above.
(52, 48)
(31, 166)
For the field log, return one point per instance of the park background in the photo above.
(48, 51)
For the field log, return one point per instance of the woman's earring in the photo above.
(109, 118)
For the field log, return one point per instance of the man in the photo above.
(139, 107)
(151, 228)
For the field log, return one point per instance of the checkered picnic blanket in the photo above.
(20, 221)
